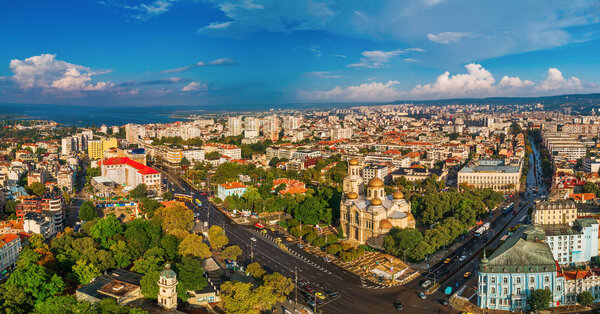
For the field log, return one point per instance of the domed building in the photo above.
(367, 216)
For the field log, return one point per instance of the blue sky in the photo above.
(208, 52)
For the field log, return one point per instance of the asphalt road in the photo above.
(356, 296)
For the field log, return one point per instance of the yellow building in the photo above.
(96, 148)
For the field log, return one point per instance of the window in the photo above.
(504, 280)
(492, 279)
(518, 290)
(504, 291)
(492, 301)
(492, 290)
(558, 287)
(518, 280)
(531, 279)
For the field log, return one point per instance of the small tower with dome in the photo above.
(167, 288)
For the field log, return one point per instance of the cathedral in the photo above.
(368, 217)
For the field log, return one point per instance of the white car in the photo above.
(253, 239)
(462, 258)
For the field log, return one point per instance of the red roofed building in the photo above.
(125, 171)
(291, 186)
(230, 189)
(10, 247)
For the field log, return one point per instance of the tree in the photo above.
(175, 219)
(168, 195)
(64, 304)
(87, 211)
(105, 229)
(121, 253)
(85, 272)
(190, 276)
(539, 300)
(171, 246)
(36, 283)
(255, 270)
(279, 284)
(38, 188)
(585, 298)
(231, 252)
(184, 162)
(150, 206)
(192, 245)
(217, 237)
(239, 298)
(142, 234)
(149, 284)
(139, 192)
(10, 207)
(152, 260)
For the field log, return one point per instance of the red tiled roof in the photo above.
(126, 161)
(232, 185)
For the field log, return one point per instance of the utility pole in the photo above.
(251, 252)
(296, 282)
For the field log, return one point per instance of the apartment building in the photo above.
(375, 171)
(96, 148)
(554, 212)
(573, 244)
(499, 175)
(10, 247)
(125, 171)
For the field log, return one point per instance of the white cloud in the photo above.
(195, 86)
(447, 37)
(477, 82)
(216, 62)
(378, 58)
(514, 82)
(477, 79)
(555, 81)
(148, 11)
(365, 92)
(323, 74)
(221, 25)
(47, 73)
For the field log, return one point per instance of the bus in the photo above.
(508, 208)
(183, 197)
(482, 229)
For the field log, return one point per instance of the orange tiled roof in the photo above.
(232, 185)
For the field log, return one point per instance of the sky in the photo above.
(256, 52)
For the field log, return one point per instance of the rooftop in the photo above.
(126, 161)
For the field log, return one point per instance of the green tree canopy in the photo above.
(105, 229)
(585, 298)
(231, 252)
(38, 188)
(192, 245)
(539, 300)
(85, 272)
(87, 211)
(190, 276)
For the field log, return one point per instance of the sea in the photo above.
(98, 115)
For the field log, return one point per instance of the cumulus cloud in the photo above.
(555, 81)
(48, 73)
(476, 79)
(446, 37)
(514, 82)
(195, 86)
(374, 91)
(476, 82)
(378, 58)
(199, 64)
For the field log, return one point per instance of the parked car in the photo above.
(462, 258)
(300, 246)
(253, 239)
(320, 295)
(326, 260)
(448, 260)
(467, 274)
(426, 283)
(331, 294)
(422, 295)
(398, 306)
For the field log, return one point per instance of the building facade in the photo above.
(499, 175)
(167, 288)
(554, 212)
(575, 244)
(230, 189)
(125, 171)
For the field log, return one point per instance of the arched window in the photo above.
(356, 218)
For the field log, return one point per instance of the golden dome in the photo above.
(353, 162)
(375, 183)
(376, 201)
(352, 196)
(385, 224)
(398, 195)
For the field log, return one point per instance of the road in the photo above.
(356, 296)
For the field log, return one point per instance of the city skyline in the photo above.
(258, 52)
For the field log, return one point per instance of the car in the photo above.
(272, 229)
(462, 258)
(448, 260)
(444, 302)
(467, 274)
(309, 289)
(203, 193)
(311, 303)
(320, 295)
(289, 239)
(398, 306)
(253, 239)
(300, 246)
(422, 295)
(331, 294)
(426, 283)
(259, 225)
(326, 260)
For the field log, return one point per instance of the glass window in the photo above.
(505, 280)
(518, 279)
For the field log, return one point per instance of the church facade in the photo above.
(367, 215)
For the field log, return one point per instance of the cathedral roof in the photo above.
(385, 224)
(376, 201)
(375, 183)
(352, 195)
(353, 162)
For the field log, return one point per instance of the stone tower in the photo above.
(353, 182)
(167, 288)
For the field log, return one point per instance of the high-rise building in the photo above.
(234, 126)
